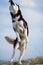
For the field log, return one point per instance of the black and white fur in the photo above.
(19, 24)
(20, 27)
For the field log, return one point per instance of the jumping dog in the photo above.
(20, 27)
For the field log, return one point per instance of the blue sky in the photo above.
(32, 11)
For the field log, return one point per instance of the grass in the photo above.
(38, 60)
(35, 60)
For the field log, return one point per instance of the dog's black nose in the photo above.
(11, 2)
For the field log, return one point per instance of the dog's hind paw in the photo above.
(11, 60)
(19, 62)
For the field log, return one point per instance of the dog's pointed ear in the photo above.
(9, 39)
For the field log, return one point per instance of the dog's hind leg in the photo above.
(12, 55)
(21, 55)
(14, 50)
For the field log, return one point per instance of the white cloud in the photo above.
(4, 9)
(4, 15)
(36, 18)
(8, 32)
(27, 3)
(36, 34)
(33, 17)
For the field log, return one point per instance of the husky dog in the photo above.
(20, 27)
(19, 24)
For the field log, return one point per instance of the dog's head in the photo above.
(14, 7)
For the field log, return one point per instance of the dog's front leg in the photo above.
(21, 55)
(18, 36)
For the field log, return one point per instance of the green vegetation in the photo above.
(35, 60)
(38, 60)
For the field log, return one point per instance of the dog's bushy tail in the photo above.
(9, 39)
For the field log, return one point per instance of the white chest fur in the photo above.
(18, 25)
